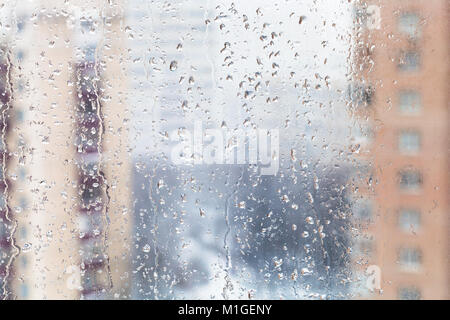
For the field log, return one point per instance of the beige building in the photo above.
(69, 165)
(402, 69)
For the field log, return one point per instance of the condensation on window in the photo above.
(181, 149)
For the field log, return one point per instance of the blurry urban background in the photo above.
(97, 95)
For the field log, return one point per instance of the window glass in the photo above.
(409, 220)
(409, 141)
(213, 149)
(409, 61)
(410, 259)
(410, 102)
(408, 23)
(410, 180)
(409, 293)
(363, 209)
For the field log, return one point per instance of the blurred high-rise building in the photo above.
(402, 72)
(7, 246)
(69, 198)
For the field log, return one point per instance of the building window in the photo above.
(22, 174)
(20, 116)
(410, 180)
(409, 219)
(362, 209)
(20, 56)
(24, 261)
(2, 197)
(410, 259)
(409, 61)
(2, 230)
(23, 203)
(20, 26)
(408, 24)
(361, 95)
(410, 101)
(409, 141)
(409, 293)
(23, 233)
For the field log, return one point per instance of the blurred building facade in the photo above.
(69, 194)
(402, 93)
(64, 146)
(7, 246)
